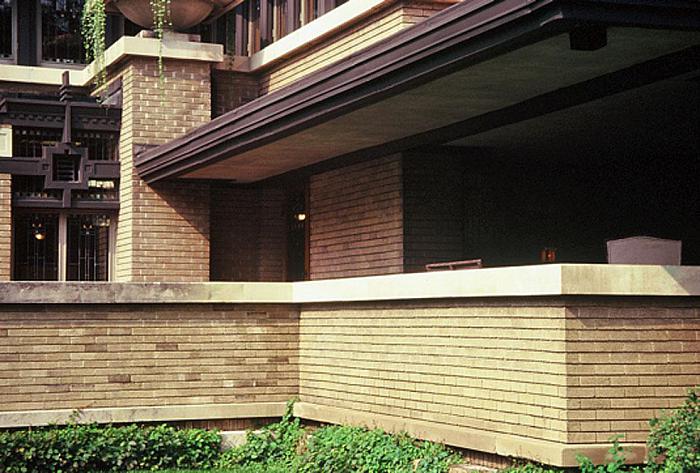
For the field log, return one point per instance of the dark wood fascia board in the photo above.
(35, 167)
(41, 113)
(21, 166)
(35, 203)
(342, 87)
(462, 34)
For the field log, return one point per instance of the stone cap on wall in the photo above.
(173, 48)
(517, 281)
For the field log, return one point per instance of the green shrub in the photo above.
(80, 448)
(285, 447)
(273, 445)
(674, 440)
(337, 449)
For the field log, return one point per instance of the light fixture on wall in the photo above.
(300, 216)
(38, 230)
(88, 229)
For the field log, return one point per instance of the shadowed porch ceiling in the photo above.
(513, 67)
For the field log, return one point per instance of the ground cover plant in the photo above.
(282, 447)
(673, 446)
(288, 447)
(83, 448)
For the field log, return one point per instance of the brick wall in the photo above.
(77, 357)
(5, 227)
(377, 27)
(248, 234)
(543, 378)
(163, 231)
(433, 209)
(496, 369)
(627, 361)
(356, 218)
(230, 90)
(502, 377)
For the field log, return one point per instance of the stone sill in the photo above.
(173, 48)
(518, 281)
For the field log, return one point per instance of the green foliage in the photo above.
(674, 440)
(285, 447)
(161, 20)
(673, 446)
(80, 448)
(274, 444)
(93, 29)
(616, 465)
(93, 26)
(337, 449)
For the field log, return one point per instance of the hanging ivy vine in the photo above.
(94, 27)
(161, 21)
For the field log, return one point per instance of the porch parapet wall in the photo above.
(540, 361)
(521, 281)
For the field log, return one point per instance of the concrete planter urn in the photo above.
(184, 14)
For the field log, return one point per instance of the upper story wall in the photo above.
(356, 35)
(344, 31)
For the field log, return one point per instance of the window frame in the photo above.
(62, 258)
(13, 36)
(40, 41)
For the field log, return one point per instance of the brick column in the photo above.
(163, 230)
(5, 227)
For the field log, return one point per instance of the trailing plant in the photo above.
(93, 29)
(81, 448)
(161, 20)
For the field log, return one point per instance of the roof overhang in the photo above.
(476, 65)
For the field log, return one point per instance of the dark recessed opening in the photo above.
(66, 167)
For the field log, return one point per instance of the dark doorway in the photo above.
(297, 266)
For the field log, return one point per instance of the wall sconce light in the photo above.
(300, 216)
(87, 228)
(38, 231)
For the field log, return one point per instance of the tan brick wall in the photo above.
(356, 218)
(232, 89)
(543, 378)
(5, 227)
(78, 357)
(625, 364)
(248, 234)
(377, 27)
(163, 231)
(496, 369)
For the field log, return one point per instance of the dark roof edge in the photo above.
(465, 32)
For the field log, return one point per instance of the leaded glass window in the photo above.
(60, 31)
